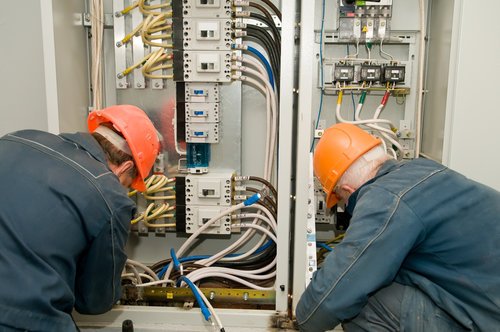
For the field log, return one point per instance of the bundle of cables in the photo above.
(255, 268)
(254, 68)
(156, 184)
(389, 134)
(155, 26)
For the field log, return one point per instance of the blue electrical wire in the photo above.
(320, 69)
(177, 264)
(322, 245)
(266, 63)
(204, 309)
(353, 105)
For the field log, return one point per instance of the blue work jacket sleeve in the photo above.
(98, 280)
(383, 230)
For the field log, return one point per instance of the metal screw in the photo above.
(309, 230)
(245, 296)
(118, 14)
(120, 85)
(87, 17)
(139, 85)
(119, 44)
(309, 216)
(212, 295)
(157, 85)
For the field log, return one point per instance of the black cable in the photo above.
(262, 9)
(268, 203)
(270, 24)
(273, 7)
(264, 39)
(264, 182)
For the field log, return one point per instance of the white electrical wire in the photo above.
(157, 282)
(238, 243)
(269, 92)
(96, 30)
(144, 267)
(371, 123)
(257, 227)
(382, 52)
(239, 280)
(420, 90)
(199, 231)
(210, 307)
(138, 277)
(255, 215)
(177, 148)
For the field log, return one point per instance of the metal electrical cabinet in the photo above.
(213, 134)
(362, 51)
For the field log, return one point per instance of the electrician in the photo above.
(65, 216)
(422, 251)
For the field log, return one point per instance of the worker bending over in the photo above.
(422, 251)
(65, 216)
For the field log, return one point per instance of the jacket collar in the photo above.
(387, 167)
(87, 143)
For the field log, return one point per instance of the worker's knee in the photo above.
(401, 308)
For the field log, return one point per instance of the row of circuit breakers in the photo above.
(202, 36)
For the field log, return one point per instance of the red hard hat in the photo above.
(339, 147)
(137, 130)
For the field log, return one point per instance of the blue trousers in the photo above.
(401, 308)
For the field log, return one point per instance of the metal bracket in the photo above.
(84, 19)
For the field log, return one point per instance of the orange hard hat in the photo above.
(339, 147)
(138, 131)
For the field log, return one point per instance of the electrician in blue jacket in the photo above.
(65, 216)
(422, 251)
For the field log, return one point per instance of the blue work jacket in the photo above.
(64, 221)
(420, 224)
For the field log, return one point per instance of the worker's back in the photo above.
(63, 221)
(422, 225)
(455, 257)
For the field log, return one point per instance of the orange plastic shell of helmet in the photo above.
(138, 131)
(338, 148)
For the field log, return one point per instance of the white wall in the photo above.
(472, 136)
(22, 80)
(44, 78)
